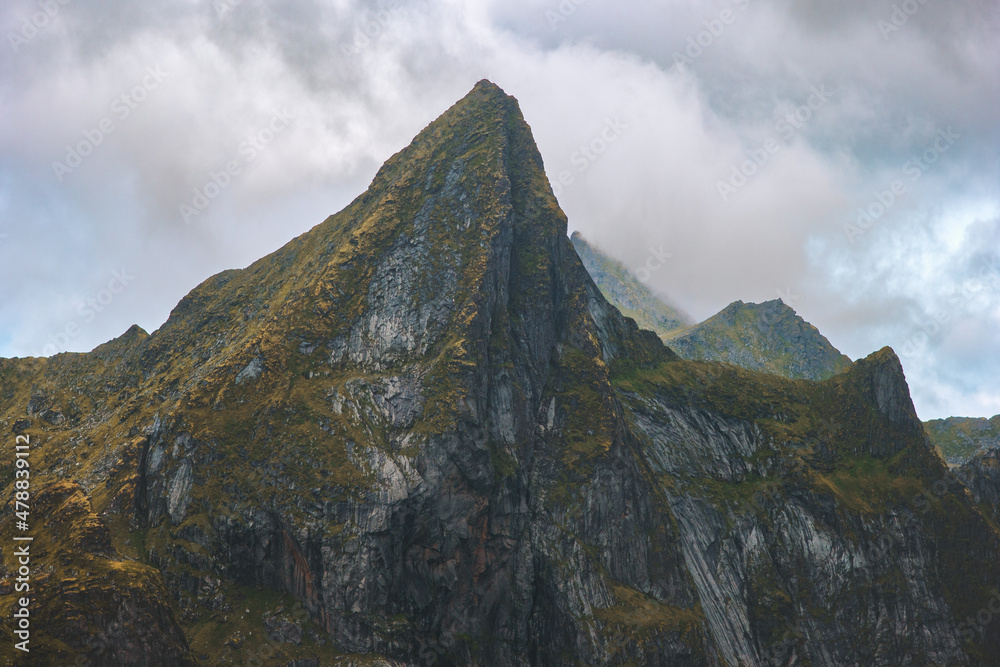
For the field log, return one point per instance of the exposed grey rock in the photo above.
(981, 476)
(179, 491)
(252, 371)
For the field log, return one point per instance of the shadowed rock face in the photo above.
(423, 427)
(981, 475)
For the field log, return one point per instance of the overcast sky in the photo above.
(147, 146)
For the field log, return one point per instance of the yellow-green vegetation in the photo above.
(640, 615)
(637, 622)
(958, 438)
(80, 586)
(868, 485)
(766, 337)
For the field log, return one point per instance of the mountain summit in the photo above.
(768, 337)
(419, 434)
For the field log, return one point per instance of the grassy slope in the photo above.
(958, 438)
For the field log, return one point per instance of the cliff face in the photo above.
(981, 475)
(94, 604)
(813, 515)
(419, 432)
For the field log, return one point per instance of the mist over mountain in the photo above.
(420, 433)
(626, 293)
(768, 337)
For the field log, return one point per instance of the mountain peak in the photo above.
(768, 336)
(485, 86)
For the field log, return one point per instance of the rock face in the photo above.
(419, 434)
(981, 475)
(94, 605)
(766, 337)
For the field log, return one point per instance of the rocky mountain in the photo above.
(627, 293)
(959, 438)
(419, 434)
(768, 337)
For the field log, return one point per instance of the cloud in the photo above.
(838, 103)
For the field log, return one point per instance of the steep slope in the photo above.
(766, 337)
(625, 292)
(959, 438)
(419, 433)
(97, 605)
